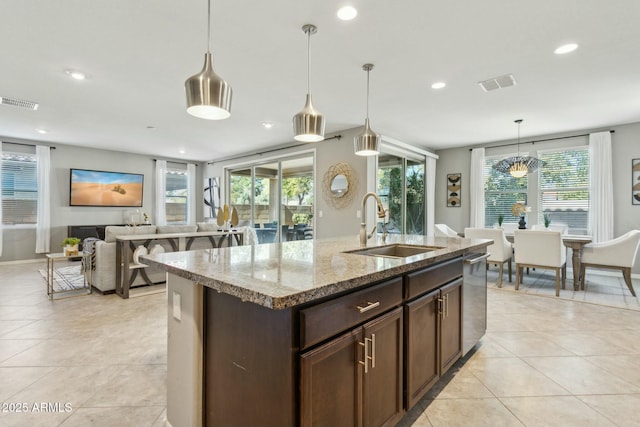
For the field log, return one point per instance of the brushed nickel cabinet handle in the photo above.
(370, 306)
(373, 350)
(366, 356)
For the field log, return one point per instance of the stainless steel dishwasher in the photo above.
(474, 300)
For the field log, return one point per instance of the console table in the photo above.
(126, 270)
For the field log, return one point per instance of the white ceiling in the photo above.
(137, 54)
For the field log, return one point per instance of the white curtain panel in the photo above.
(476, 189)
(43, 226)
(431, 194)
(191, 194)
(1, 226)
(161, 190)
(601, 186)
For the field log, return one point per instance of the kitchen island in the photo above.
(311, 332)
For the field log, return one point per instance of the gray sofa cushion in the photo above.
(164, 229)
(207, 226)
(112, 231)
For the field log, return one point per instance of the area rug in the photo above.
(66, 278)
(608, 290)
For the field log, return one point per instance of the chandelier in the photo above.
(518, 166)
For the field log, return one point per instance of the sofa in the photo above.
(103, 276)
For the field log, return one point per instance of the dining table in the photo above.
(576, 243)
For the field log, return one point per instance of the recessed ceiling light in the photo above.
(267, 125)
(438, 85)
(347, 13)
(565, 48)
(151, 127)
(42, 131)
(75, 74)
(182, 151)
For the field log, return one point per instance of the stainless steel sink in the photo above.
(395, 250)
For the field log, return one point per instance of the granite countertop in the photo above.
(283, 275)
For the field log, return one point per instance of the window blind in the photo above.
(19, 188)
(176, 196)
(564, 188)
(501, 191)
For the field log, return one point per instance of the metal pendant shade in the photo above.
(308, 124)
(367, 143)
(518, 166)
(208, 94)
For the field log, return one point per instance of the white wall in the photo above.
(19, 244)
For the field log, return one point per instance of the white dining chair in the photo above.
(619, 254)
(540, 249)
(500, 251)
(562, 228)
(443, 230)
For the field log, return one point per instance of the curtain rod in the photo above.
(539, 140)
(259, 153)
(28, 145)
(179, 163)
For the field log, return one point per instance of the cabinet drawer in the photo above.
(324, 320)
(422, 281)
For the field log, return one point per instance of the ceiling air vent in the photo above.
(20, 103)
(498, 83)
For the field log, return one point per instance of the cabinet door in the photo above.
(421, 322)
(451, 324)
(382, 383)
(331, 381)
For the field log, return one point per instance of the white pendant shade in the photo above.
(208, 95)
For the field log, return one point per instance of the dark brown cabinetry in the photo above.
(355, 379)
(358, 359)
(433, 340)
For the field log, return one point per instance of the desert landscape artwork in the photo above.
(100, 188)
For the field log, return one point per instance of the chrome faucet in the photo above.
(363, 225)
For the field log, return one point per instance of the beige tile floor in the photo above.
(545, 361)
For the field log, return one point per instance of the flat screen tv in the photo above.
(102, 188)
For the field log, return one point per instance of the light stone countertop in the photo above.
(283, 275)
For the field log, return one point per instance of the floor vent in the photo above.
(498, 82)
(20, 103)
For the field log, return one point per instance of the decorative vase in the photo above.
(522, 224)
(70, 250)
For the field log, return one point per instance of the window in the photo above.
(275, 197)
(19, 188)
(564, 188)
(501, 191)
(401, 187)
(176, 196)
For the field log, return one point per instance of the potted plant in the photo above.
(500, 219)
(547, 220)
(70, 245)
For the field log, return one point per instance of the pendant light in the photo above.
(518, 166)
(208, 95)
(366, 144)
(308, 124)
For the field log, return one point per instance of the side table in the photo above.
(85, 266)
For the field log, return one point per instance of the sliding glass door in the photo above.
(401, 186)
(275, 197)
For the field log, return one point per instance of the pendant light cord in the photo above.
(209, 26)
(519, 122)
(309, 61)
(368, 93)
